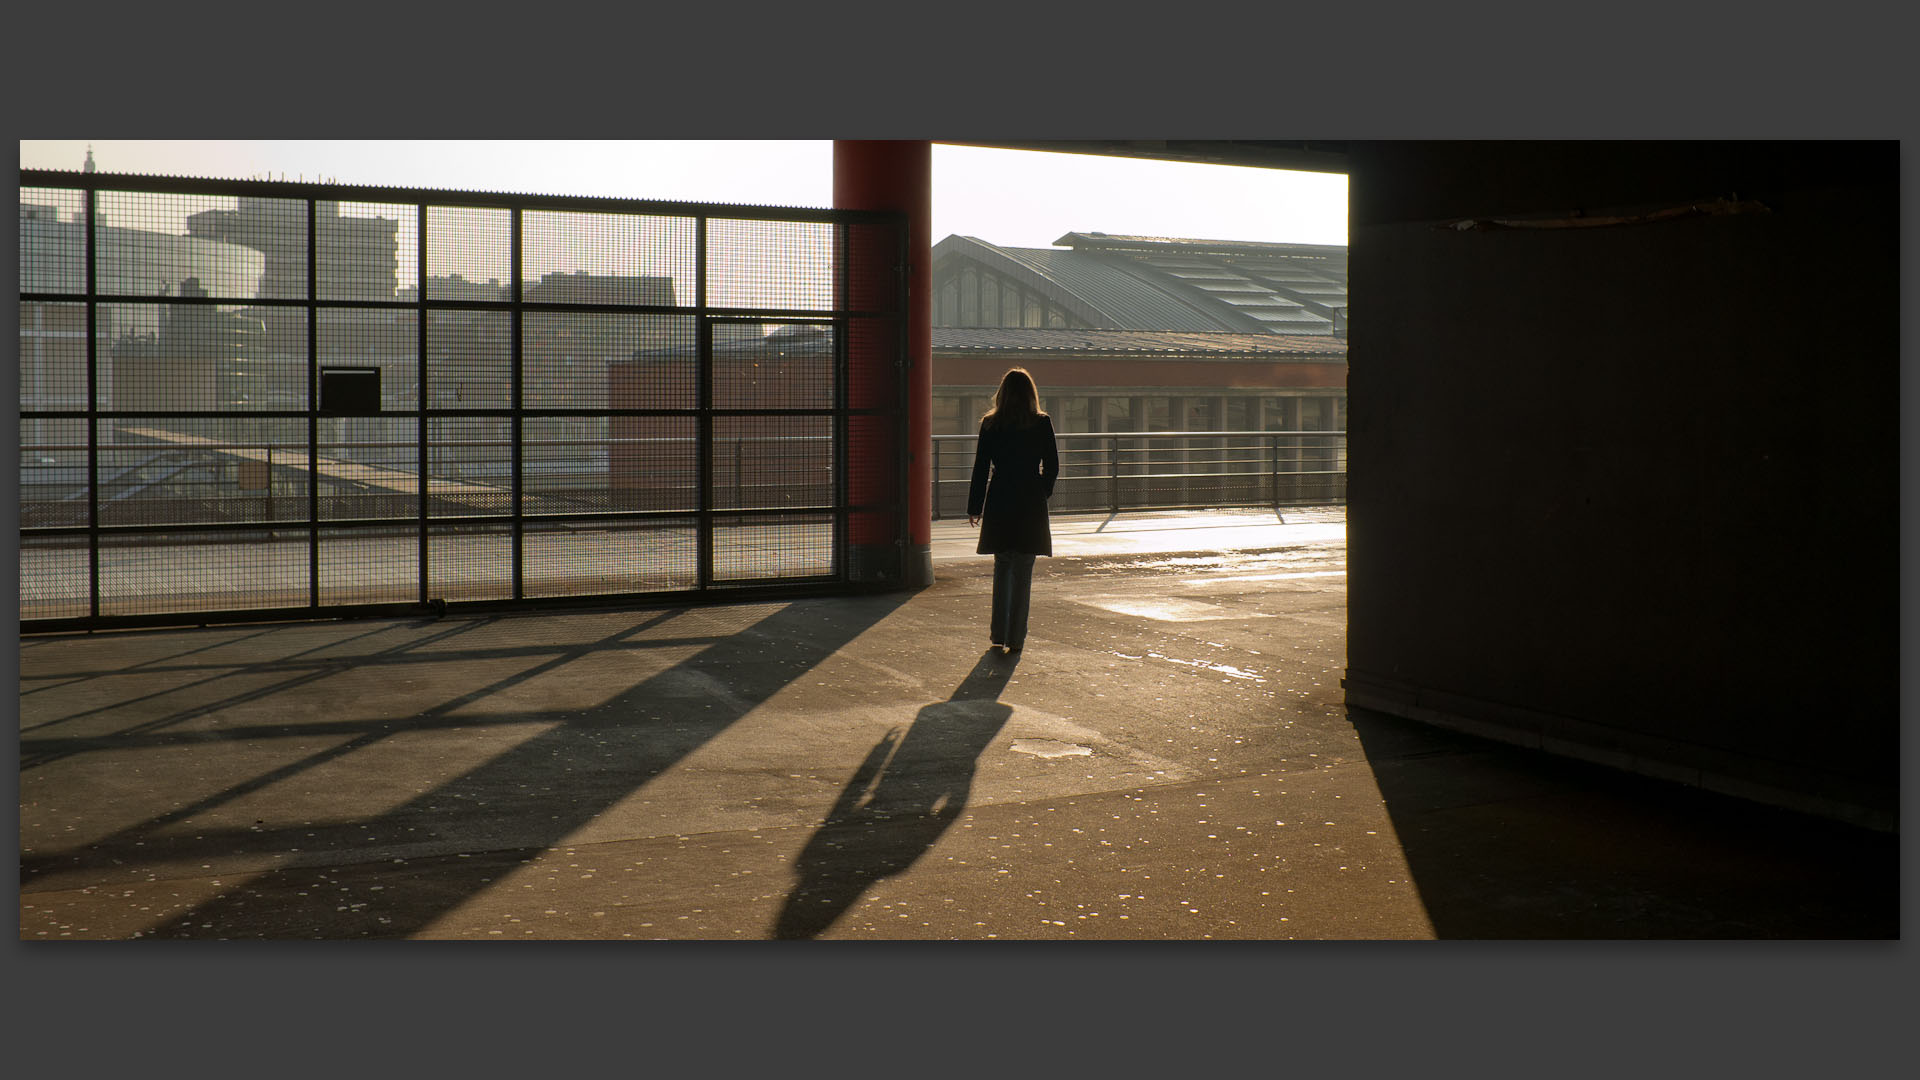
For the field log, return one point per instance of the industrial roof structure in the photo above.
(1097, 280)
(1147, 343)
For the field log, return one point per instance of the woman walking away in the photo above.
(1014, 468)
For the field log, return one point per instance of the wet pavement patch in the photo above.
(1169, 609)
(1049, 748)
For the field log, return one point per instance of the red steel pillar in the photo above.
(896, 175)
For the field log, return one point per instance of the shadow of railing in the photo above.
(908, 791)
(411, 864)
(1509, 843)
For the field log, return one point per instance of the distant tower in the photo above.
(86, 216)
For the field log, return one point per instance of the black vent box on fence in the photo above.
(350, 391)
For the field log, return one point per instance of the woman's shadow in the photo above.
(910, 788)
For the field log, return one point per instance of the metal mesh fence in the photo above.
(564, 360)
(362, 251)
(165, 244)
(469, 253)
(55, 580)
(55, 490)
(469, 467)
(53, 254)
(772, 547)
(653, 463)
(368, 566)
(585, 557)
(632, 260)
(776, 366)
(771, 264)
(366, 467)
(470, 562)
(768, 462)
(161, 573)
(261, 397)
(201, 471)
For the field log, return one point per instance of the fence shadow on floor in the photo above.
(408, 865)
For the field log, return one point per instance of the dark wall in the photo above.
(1630, 493)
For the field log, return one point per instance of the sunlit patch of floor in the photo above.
(1170, 609)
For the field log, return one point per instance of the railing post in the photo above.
(1273, 476)
(1113, 475)
(936, 479)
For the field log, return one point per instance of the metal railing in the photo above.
(257, 399)
(260, 482)
(1168, 470)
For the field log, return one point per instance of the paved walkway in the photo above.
(1168, 758)
(1169, 531)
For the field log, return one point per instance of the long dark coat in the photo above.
(1013, 473)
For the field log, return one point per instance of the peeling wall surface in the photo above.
(1653, 518)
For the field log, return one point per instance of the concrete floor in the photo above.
(1169, 758)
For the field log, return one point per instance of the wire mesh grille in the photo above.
(171, 357)
(160, 244)
(360, 249)
(609, 556)
(269, 428)
(53, 243)
(772, 462)
(469, 466)
(54, 577)
(367, 467)
(595, 360)
(871, 345)
(469, 361)
(369, 566)
(54, 490)
(653, 463)
(765, 547)
(773, 366)
(470, 562)
(624, 259)
(568, 464)
(230, 570)
(662, 376)
(870, 267)
(771, 264)
(469, 253)
(172, 471)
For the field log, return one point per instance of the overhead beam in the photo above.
(1301, 155)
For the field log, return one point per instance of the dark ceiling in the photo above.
(1308, 156)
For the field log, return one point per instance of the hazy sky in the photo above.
(1007, 197)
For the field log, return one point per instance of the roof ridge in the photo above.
(1111, 240)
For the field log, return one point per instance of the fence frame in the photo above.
(890, 317)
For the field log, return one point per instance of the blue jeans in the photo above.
(1012, 591)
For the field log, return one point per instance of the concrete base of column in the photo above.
(880, 564)
(919, 570)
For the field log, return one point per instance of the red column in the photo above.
(897, 175)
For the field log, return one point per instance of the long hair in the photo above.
(1016, 403)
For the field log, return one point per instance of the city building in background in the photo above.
(1143, 334)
